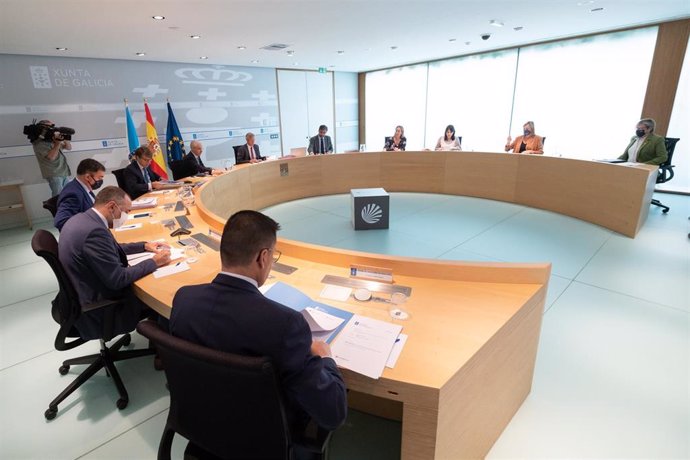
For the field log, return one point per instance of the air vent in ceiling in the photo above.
(275, 47)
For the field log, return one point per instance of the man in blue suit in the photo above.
(230, 314)
(249, 152)
(78, 195)
(97, 265)
(138, 177)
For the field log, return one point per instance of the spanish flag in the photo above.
(158, 163)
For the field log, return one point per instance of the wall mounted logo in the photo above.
(210, 76)
(371, 213)
(40, 76)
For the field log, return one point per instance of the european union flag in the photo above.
(173, 138)
(132, 137)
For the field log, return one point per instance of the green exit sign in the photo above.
(322, 70)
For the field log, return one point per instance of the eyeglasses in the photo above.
(276, 254)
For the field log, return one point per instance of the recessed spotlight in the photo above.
(203, 57)
(241, 47)
(452, 40)
(341, 52)
(254, 61)
(290, 53)
(588, 2)
(141, 54)
(496, 23)
(174, 27)
(393, 48)
(468, 43)
(194, 37)
(518, 28)
(158, 17)
(596, 10)
(61, 48)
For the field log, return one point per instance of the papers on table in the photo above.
(160, 192)
(332, 292)
(127, 227)
(365, 344)
(171, 269)
(397, 349)
(137, 258)
(143, 203)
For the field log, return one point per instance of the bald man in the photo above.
(193, 158)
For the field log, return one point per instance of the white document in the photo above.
(160, 192)
(320, 321)
(124, 228)
(332, 292)
(397, 349)
(134, 259)
(171, 269)
(142, 203)
(364, 345)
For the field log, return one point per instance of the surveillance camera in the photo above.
(486, 36)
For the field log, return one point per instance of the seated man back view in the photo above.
(97, 264)
(78, 195)
(231, 315)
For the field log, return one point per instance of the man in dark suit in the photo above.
(138, 177)
(97, 264)
(321, 143)
(249, 152)
(78, 196)
(230, 314)
(193, 159)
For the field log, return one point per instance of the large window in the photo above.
(396, 97)
(474, 94)
(680, 120)
(585, 95)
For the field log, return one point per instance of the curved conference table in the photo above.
(474, 328)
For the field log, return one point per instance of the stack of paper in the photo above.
(321, 324)
(171, 269)
(143, 203)
(365, 344)
(134, 259)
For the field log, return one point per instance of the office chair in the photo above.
(387, 139)
(120, 177)
(236, 149)
(51, 205)
(665, 172)
(66, 310)
(226, 405)
(543, 140)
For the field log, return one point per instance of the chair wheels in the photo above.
(63, 371)
(51, 413)
(122, 403)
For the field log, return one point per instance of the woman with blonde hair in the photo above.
(528, 143)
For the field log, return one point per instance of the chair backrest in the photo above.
(120, 177)
(227, 404)
(236, 149)
(66, 306)
(181, 169)
(666, 173)
(543, 140)
(387, 139)
(51, 204)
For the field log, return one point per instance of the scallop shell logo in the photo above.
(371, 213)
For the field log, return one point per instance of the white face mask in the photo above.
(120, 221)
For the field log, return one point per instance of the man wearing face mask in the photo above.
(528, 143)
(78, 195)
(97, 264)
(645, 146)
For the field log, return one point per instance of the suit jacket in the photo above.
(135, 183)
(73, 199)
(97, 266)
(243, 154)
(652, 151)
(199, 165)
(535, 143)
(315, 147)
(231, 315)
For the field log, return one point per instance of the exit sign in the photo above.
(322, 70)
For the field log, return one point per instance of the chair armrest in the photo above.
(314, 438)
(100, 304)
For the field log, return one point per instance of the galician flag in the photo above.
(173, 138)
(132, 137)
(158, 163)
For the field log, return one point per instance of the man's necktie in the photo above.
(323, 150)
(147, 178)
(92, 195)
(251, 152)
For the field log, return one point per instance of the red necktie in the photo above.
(251, 152)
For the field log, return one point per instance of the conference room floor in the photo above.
(611, 378)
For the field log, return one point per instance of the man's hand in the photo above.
(156, 246)
(161, 258)
(322, 349)
(254, 161)
(156, 185)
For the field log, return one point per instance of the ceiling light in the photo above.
(241, 47)
(588, 2)
(254, 61)
(290, 53)
(341, 52)
(452, 40)
(141, 54)
(158, 17)
(61, 48)
(596, 10)
(468, 43)
(393, 48)
(203, 57)
(496, 23)
(194, 37)
(518, 28)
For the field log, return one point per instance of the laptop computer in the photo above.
(298, 152)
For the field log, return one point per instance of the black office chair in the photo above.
(226, 405)
(120, 177)
(543, 140)
(66, 310)
(386, 140)
(665, 172)
(51, 205)
(236, 149)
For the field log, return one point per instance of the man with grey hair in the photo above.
(51, 160)
(645, 147)
(193, 159)
(249, 152)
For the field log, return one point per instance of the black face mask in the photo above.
(96, 184)
(640, 133)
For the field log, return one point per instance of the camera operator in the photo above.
(51, 160)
